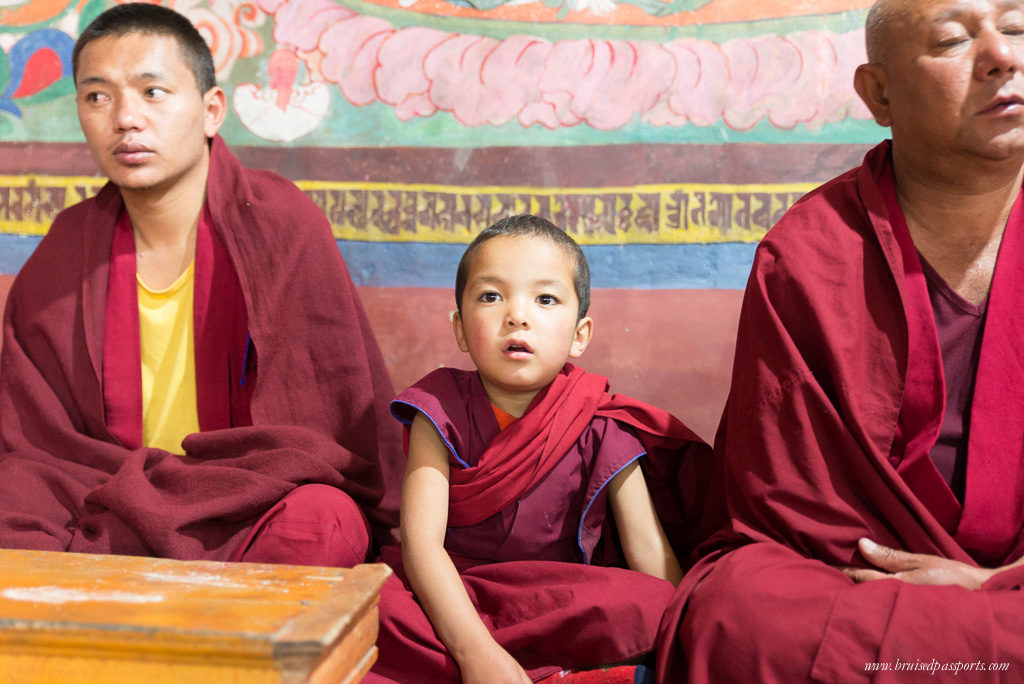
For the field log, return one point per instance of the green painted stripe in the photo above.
(839, 22)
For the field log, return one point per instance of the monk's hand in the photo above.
(915, 568)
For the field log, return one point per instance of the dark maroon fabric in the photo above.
(549, 613)
(318, 409)
(522, 455)
(313, 524)
(122, 348)
(959, 326)
(834, 384)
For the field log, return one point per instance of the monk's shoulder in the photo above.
(49, 282)
(442, 391)
(230, 183)
(826, 214)
(272, 188)
(829, 225)
(274, 192)
(62, 247)
(285, 217)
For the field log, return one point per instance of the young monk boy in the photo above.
(512, 470)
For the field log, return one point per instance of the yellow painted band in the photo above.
(669, 213)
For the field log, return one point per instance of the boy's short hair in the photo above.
(142, 17)
(529, 225)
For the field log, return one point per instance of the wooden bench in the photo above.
(69, 617)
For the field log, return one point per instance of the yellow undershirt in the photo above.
(166, 336)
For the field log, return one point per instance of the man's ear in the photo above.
(460, 333)
(584, 330)
(871, 84)
(215, 103)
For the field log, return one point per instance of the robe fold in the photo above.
(318, 409)
(532, 539)
(836, 398)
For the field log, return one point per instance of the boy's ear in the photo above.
(460, 334)
(584, 330)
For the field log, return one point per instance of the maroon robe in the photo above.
(318, 409)
(836, 399)
(527, 564)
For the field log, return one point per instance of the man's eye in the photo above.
(950, 37)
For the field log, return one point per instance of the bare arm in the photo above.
(643, 540)
(431, 572)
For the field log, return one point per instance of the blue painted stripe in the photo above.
(415, 264)
(647, 267)
(15, 250)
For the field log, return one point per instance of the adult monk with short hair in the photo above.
(187, 371)
(873, 440)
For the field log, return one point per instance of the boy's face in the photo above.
(144, 119)
(518, 319)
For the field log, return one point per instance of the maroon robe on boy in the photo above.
(836, 400)
(318, 408)
(533, 553)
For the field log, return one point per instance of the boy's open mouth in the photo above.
(516, 347)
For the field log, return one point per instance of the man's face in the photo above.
(144, 119)
(954, 80)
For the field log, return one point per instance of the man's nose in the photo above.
(127, 113)
(998, 54)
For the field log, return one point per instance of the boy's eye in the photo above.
(547, 299)
(489, 297)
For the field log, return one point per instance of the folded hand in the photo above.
(915, 568)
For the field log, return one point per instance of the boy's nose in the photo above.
(515, 318)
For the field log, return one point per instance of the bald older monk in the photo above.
(873, 441)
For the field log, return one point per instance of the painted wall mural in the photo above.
(799, 78)
(415, 72)
(685, 124)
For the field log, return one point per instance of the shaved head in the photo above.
(947, 76)
(883, 18)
